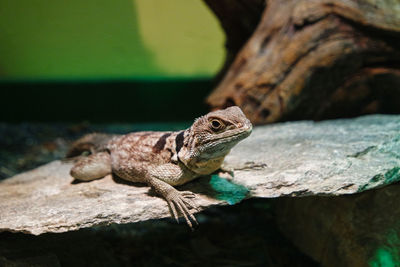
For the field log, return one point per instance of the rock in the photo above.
(290, 159)
(325, 158)
(355, 230)
(47, 199)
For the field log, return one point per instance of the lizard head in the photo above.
(214, 134)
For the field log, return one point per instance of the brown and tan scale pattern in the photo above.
(164, 159)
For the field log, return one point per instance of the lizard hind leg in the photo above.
(92, 167)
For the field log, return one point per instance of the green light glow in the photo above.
(225, 190)
(383, 258)
(388, 255)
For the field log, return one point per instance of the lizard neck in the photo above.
(205, 167)
(200, 164)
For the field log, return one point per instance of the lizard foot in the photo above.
(181, 202)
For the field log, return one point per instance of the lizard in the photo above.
(163, 160)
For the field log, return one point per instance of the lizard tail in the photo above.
(90, 142)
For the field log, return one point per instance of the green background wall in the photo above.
(103, 39)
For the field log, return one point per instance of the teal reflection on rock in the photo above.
(228, 191)
(391, 176)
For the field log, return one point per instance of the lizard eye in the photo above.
(216, 125)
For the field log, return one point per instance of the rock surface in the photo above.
(326, 158)
(291, 159)
(352, 230)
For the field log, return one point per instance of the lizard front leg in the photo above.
(160, 178)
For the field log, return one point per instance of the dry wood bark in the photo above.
(313, 59)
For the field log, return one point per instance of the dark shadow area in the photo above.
(104, 101)
(76, 181)
(119, 180)
(226, 236)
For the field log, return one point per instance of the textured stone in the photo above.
(291, 159)
(353, 230)
(47, 200)
(324, 158)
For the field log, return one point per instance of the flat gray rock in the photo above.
(46, 199)
(325, 158)
(296, 159)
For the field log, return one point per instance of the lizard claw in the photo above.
(188, 199)
(178, 202)
(188, 194)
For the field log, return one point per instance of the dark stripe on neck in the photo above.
(179, 141)
(161, 143)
